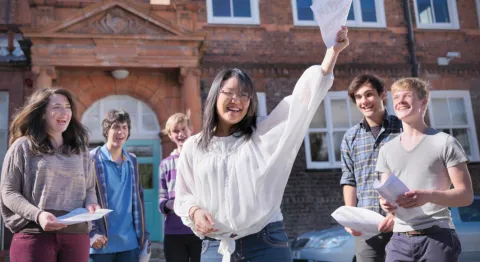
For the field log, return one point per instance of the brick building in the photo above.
(157, 59)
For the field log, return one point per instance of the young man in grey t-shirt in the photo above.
(428, 162)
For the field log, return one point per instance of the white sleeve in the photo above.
(185, 185)
(278, 138)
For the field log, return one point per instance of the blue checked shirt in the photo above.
(359, 153)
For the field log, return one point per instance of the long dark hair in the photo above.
(29, 121)
(247, 125)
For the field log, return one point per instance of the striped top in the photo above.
(359, 153)
(168, 175)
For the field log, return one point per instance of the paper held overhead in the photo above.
(359, 219)
(330, 15)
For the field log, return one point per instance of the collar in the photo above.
(364, 124)
(106, 154)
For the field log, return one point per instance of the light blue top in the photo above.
(121, 230)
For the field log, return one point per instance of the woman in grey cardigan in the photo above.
(47, 173)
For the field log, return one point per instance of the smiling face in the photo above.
(117, 135)
(407, 105)
(232, 104)
(58, 114)
(368, 101)
(179, 133)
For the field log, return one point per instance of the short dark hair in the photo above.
(247, 125)
(360, 80)
(115, 116)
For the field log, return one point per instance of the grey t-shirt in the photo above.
(423, 167)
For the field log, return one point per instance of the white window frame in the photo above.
(379, 8)
(478, 12)
(253, 20)
(452, 11)
(262, 104)
(472, 131)
(4, 123)
(329, 129)
(137, 120)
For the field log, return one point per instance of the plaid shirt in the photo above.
(359, 153)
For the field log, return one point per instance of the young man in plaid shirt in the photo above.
(359, 151)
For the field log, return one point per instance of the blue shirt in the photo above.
(359, 153)
(121, 230)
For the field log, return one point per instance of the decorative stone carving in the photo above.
(116, 21)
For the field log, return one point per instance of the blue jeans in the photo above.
(270, 244)
(125, 256)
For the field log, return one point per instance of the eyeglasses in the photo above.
(244, 97)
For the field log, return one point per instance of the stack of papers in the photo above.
(359, 219)
(330, 15)
(390, 190)
(81, 215)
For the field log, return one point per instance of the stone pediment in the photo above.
(115, 18)
(116, 21)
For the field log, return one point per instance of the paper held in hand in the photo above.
(330, 15)
(359, 219)
(80, 215)
(390, 190)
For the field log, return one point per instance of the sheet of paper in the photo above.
(390, 190)
(330, 15)
(80, 215)
(145, 253)
(359, 219)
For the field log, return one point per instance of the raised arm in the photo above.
(332, 53)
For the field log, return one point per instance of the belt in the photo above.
(423, 232)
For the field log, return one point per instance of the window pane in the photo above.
(319, 147)
(146, 175)
(425, 12)
(340, 113)
(369, 13)
(446, 131)
(441, 11)
(3, 141)
(355, 113)
(440, 112)
(221, 8)
(457, 109)
(148, 122)
(462, 137)
(3, 110)
(303, 10)
(470, 213)
(140, 151)
(337, 142)
(319, 120)
(351, 14)
(241, 8)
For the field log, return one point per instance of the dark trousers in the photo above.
(125, 256)
(441, 246)
(49, 247)
(182, 248)
(373, 249)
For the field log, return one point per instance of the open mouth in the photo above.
(234, 109)
(61, 121)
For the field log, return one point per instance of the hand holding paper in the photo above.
(80, 215)
(359, 219)
(330, 15)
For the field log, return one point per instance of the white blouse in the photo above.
(241, 182)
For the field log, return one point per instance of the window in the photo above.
(451, 112)
(363, 13)
(233, 12)
(144, 120)
(262, 104)
(436, 14)
(3, 125)
(478, 12)
(334, 117)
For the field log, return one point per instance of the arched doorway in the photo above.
(144, 142)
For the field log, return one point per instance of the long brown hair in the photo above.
(29, 121)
